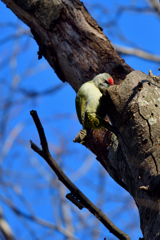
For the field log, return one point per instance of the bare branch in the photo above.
(68, 183)
(155, 5)
(5, 228)
(33, 218)
(137, 52)
(20, 34)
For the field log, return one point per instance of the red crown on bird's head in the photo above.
(110, 80)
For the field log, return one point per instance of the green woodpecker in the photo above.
(89, 110)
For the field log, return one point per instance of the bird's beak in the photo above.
(103, 86)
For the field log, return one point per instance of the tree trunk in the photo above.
(134, 107)
(77, 49)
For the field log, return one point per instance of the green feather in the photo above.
(88, 104)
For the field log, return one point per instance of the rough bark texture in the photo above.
(77, 49)
(134, 107)
(70, 39)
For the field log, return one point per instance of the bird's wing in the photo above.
(80, 106)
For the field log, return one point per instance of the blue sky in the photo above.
(57, 111)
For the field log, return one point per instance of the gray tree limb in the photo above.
(134, 107)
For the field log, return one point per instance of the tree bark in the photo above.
(77, 49)
(134, 107)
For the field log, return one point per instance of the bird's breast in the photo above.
(92, 95)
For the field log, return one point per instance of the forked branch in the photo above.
(76, 196)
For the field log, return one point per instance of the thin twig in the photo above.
(37, 220)
(67, 182)
(5, 227)
(137, 52)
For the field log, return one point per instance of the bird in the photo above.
(90, 112)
